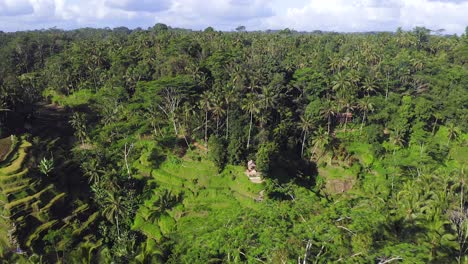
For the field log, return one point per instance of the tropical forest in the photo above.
(171, 145)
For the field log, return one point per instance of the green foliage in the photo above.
(266, 157)
(217, 152)
(46, 166)
(364, 134)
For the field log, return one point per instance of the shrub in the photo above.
(217, 152)
(266, 155)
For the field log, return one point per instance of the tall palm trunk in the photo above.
(386, 90)
(206, 128)
(250, 128)
(175, 125)
(227, 123)
(434, 126)
(346, 118)
(303, 143)
(118, 227)
(362, 122)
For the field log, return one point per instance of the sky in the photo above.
(301, 15)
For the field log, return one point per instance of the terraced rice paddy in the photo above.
(28, 201)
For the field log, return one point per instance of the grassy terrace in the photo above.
(24, 196)
(13, 181)
(205, 192)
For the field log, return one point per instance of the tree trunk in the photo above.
(227, 123)
(118, 228)
(250, 128)
(56, 252)
(434, 126)
(345, 122)
(329, 122)
(154, 129)
(175, 126)
(303, 142)
(362, 123)
(386, 91)
(206, 128)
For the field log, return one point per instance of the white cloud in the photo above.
(371, 15)
(221, 14)
(449, 15)
(15, 7)
(140, 5)
(337, 15)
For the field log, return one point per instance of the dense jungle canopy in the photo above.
(131, 146)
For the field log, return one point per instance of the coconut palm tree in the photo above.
(205, 101)
(369, 85)
(229, 98)
(321, 139)
(305, 124)
(251, 106)
(165, 200)
(398, 140)
(217, 109)
(328, 111)
(340, 84)
(335, 64)
(453, 132)
(114, 208)
(365, 106)
(92, 171)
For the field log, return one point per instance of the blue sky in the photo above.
(307, 15)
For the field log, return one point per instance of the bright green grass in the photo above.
(363, 152)
(81, 97)
(149, 229)
(206, 193)
(335, 172)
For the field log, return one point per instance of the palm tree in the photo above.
(327, 111)
(92, 171)
(268, 100)
(113, 208)
(365, 106)
(340, 84)
(165, 200)
(453, 132)
(348, 108)
(306, 125)
(250, 105)
(370, 85)
(205, 105)
(397, 139)
(353, 77)
(217, 108)
(228, 99)
(335, 64)
(321, 138)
